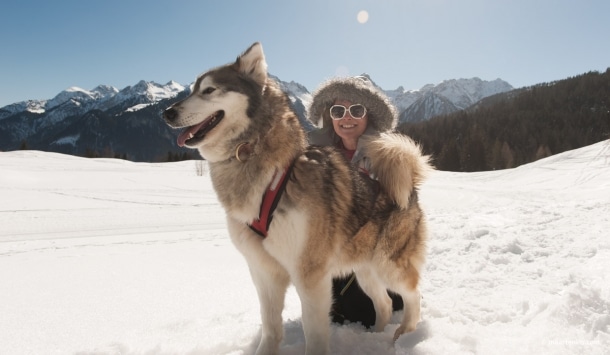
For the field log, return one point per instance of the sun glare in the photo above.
(363, 16)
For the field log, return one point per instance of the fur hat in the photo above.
(382, 115)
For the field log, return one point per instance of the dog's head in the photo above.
(221, 105)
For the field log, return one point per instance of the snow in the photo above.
(465, 92)
(68, 140)
(33, 106)
(137, 107)
(104, 256)
(36, 110)
(153, 91)
(73, 93)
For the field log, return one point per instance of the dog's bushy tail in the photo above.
(398, 164)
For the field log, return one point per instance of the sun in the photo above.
(363, 16)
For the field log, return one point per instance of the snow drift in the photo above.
(103, 256)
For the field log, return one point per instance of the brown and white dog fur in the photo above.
(328, 221)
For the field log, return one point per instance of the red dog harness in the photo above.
(271, 197)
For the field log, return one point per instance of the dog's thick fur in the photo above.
(328, 222)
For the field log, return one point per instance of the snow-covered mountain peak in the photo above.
(174, 86)
(368, 77)
(152, 91)
(465, 92)
(33, 106)
(81, 96)
(427, 87)
(448, 96)
(105, 91)
(71, 93)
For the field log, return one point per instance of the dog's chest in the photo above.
(287, 236)
(241, 193)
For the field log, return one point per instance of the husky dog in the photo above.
(325, 219)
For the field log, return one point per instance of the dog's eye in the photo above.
(208, 90)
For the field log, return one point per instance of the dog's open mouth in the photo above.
(194, 134)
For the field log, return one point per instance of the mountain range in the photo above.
(126, 123)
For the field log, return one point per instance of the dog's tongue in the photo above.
(186, 134)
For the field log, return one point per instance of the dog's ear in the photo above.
(252, 63)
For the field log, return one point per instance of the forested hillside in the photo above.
(518, 127)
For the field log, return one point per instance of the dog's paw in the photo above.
(402, 330)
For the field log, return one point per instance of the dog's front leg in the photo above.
(271, 281)
(271, 286)
(315, 307)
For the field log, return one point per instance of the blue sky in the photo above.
(48, 46)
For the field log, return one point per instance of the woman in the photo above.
(344, 109)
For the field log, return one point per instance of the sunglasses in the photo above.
(357, 111)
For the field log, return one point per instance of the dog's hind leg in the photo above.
(375, 289)
(411, 298)
(271, 286)
(411, 314)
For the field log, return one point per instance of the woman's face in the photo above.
(349, 128)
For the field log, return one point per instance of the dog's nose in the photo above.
(170, 114)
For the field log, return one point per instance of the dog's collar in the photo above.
(244, 150)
